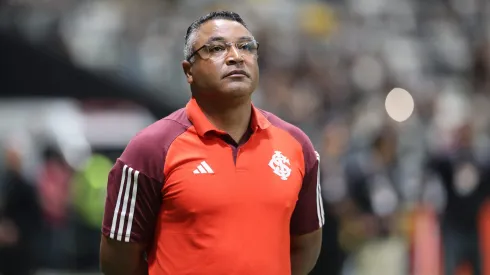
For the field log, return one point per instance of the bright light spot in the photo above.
(399, 104)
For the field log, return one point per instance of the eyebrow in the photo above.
(220, 38)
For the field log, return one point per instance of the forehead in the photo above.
(227, 29)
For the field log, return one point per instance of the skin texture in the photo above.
(122, 258)
(226, 102)
(207, 77)
(305, 250)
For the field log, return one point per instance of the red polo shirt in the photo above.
(209, 206)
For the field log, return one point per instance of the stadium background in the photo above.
(78, 78)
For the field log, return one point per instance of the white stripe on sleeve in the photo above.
(133, 203)
(319, 200)
(118, 202)
(125, 205)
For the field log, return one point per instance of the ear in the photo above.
(187, 67)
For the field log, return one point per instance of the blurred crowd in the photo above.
(327, 67)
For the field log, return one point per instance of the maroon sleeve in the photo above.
(132, 204)
(308, 214)
(135, 183)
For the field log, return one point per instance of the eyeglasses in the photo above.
(220, 49)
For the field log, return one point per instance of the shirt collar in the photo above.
(203, 125)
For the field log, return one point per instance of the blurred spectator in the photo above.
(20, 219)
(465, 178)
(373, 180)
(54, 190)
(334, 193)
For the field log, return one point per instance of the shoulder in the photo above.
(146, 151)
(295, 132)
(291, 129)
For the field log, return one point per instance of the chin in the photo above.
(237, 89)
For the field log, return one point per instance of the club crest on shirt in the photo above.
(280, 165)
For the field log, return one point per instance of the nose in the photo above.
(233, 57)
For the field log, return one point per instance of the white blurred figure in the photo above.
(92, 34)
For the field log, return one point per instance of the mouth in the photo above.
(236, 73)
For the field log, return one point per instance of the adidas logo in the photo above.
(203, 168)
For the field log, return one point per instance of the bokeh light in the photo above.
(399, 104)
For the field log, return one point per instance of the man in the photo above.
(218, 187)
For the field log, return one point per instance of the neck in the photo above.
(232, 117)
